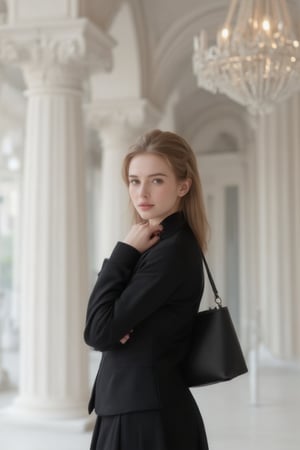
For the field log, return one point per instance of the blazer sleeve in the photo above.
(123, 297)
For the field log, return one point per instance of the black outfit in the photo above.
(139, 394)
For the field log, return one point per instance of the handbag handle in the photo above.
(218, 299)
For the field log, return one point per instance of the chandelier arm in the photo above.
(282, 88)
(286, 18)
(229, 19)
(241, 21)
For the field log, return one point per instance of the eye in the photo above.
(133, 181)
(157, 180)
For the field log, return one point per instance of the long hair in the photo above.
(179, 155)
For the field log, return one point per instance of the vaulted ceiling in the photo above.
(155, 52)
(164, 33)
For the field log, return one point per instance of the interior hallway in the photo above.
(231, 422)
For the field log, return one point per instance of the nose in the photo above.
(144, 191)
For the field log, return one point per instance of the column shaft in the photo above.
(278, 168)
(115, 213)
(54, 366)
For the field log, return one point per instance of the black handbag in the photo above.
(215, 353)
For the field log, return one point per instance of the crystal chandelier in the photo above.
(256, 61)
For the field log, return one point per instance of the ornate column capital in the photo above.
(52, 52)
(128, 116)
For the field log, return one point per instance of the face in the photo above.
(153, 188)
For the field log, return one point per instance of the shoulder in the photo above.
(181, 241)
(174, 250)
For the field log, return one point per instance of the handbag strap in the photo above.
(218, 299)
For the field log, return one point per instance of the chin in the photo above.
(146, 216)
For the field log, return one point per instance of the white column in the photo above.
(10, 336)
(94, 187)
(53, 360)
(251, 257)
(119, 123)
(278, 200)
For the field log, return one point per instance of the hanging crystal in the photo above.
(256, 60)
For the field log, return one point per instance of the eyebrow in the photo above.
(151, 175)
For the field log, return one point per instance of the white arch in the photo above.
(125, 79)
(175, 49)
(215, 121)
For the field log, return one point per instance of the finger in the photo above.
(124, 339)
(153, 240)
(156, 228)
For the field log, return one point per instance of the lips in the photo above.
(145, 206)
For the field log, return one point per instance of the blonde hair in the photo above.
(177, 152)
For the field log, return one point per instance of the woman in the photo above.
(142, 307)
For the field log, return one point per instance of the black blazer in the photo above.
(157, 295)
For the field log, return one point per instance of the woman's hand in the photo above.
(142, 236)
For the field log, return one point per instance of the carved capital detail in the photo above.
(117, 114)
(72, 47)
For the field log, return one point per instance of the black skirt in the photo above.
(174, 429)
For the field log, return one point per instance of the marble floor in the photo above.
(232, 422)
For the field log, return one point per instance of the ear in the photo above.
(184, 187)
